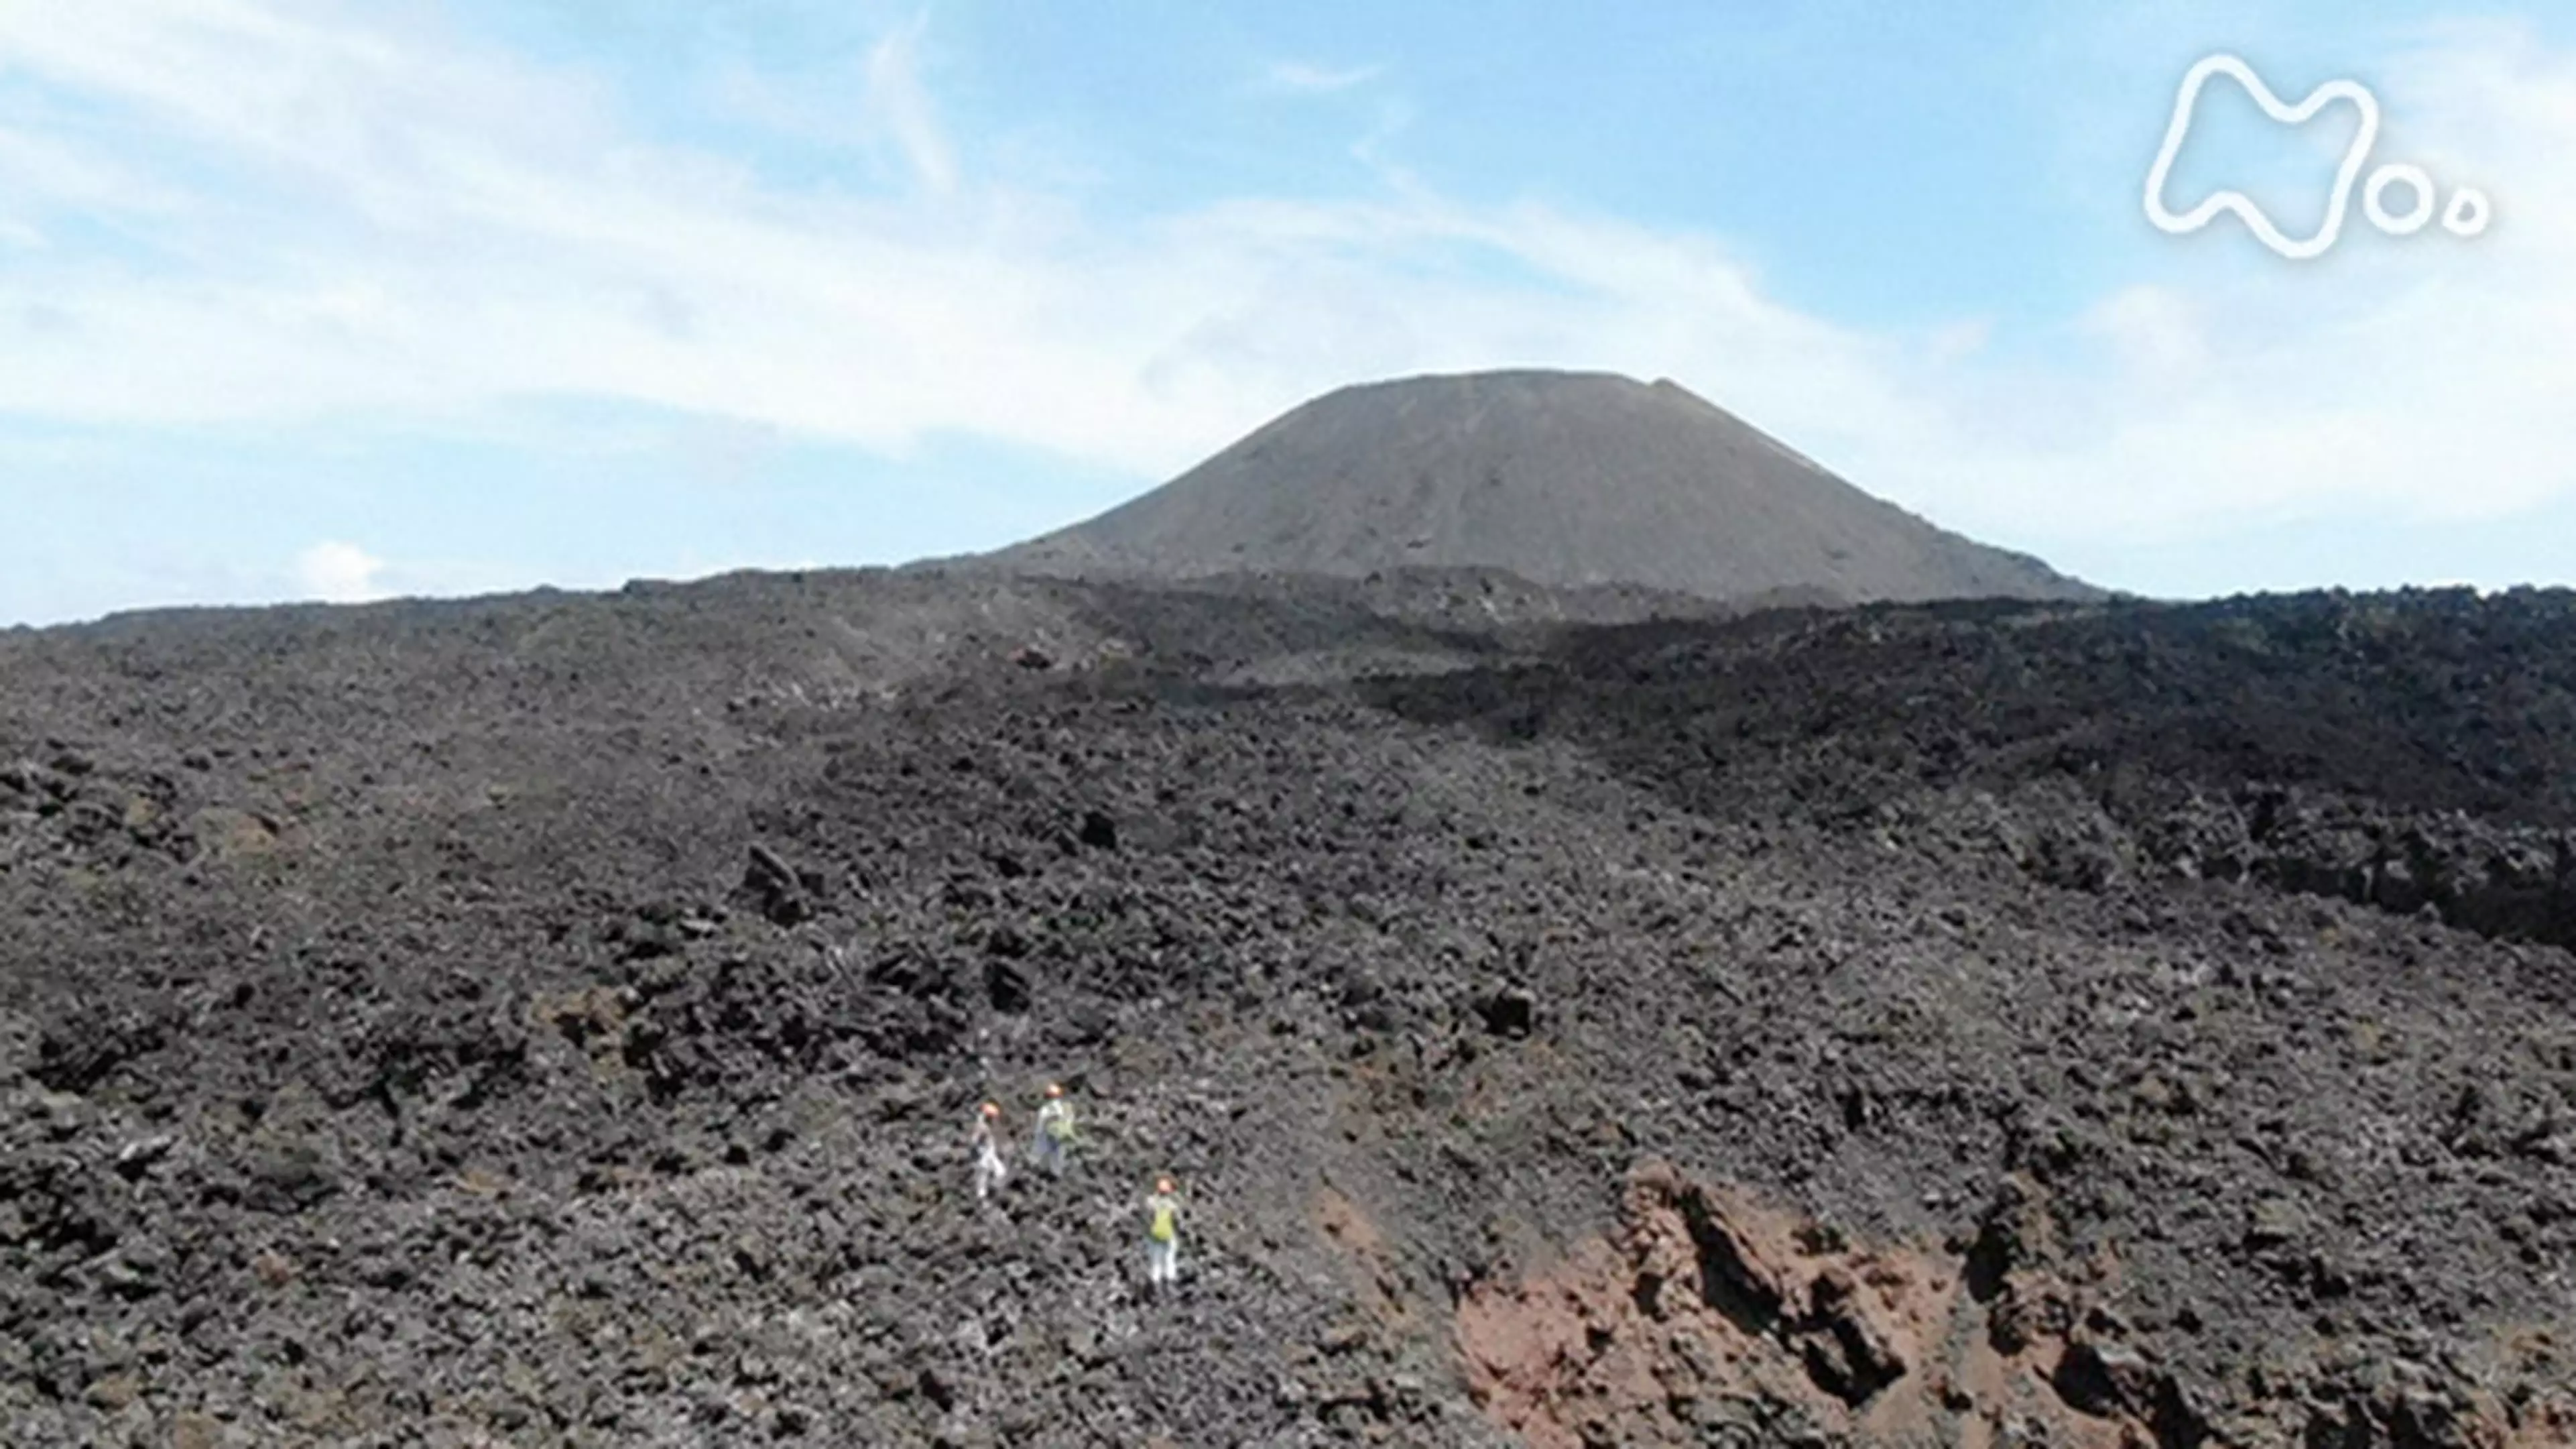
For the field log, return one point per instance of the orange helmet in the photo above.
(1055, 1089)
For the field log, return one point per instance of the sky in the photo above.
(315, 300)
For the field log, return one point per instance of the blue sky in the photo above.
(304, 299)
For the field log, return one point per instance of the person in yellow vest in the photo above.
(1163, 1235)
(989, 1171)
(1055, 1131)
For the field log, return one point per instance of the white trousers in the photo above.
(1162, 1261)
(989, 1172)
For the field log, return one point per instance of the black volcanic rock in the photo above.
(1571, 480)
(1908, 1024)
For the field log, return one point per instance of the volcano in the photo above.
(559, 1020)
(1568, 479)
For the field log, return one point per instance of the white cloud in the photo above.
(1300, 78)
(339, 573)
(409, 226)
(37, 167)
(2151, 327)
(1956, 341)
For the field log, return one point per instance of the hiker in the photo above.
(989, 1171)
(1055, 1130)
(1162, 1235)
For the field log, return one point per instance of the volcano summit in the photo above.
(1569, 479)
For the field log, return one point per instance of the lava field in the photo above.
(560, 1019)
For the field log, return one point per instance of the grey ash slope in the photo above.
(1567, 479)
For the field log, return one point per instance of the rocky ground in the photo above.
(558, 1020)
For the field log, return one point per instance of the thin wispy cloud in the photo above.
(1300, 78)
(900, 103)
(811, 114)
(31, 164)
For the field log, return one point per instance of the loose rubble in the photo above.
(555, 1020)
